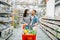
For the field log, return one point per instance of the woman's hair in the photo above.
(25, 13)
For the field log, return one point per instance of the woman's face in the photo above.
(27, 12)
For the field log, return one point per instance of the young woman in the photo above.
(26, 18)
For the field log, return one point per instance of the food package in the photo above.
(25, 31)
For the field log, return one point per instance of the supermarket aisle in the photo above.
(18, 31)
(41, 35)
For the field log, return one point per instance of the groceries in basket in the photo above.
(30, 32)
(27, 31)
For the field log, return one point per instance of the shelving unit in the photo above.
(4, 2)
(51, 28)
(6, 30)
(57, 9)
(57, 2)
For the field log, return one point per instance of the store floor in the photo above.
(18, 32)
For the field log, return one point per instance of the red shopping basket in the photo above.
(28, 37)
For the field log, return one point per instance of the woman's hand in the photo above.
(24, 25)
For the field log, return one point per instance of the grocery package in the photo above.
(25, 31)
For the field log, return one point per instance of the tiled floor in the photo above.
(18, 31)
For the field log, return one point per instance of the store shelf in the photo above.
(55, 22)
(5, 9)
(3, 19)
(51, 26)
(5, 12)
(51, 19)
(47, 33)
(6, 33)
(56, 0)
(4, 3)
(57, 3)
(6, 29)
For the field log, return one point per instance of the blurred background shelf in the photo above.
(51, 27)
(6, 29)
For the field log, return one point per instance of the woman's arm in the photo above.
(23, 22)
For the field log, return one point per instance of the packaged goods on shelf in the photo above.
(58, 35)
(5, 20)
(5, 29)
(5, 9)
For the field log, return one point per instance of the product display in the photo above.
(58, 33)
(5, 20)
(51, 26)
